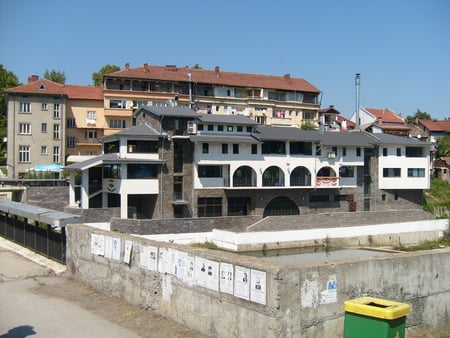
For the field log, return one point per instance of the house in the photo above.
(48, 121)
(434, 128)
(276, 100)
(441, 168)
(177, 163)
(376, 120)
(330, 119)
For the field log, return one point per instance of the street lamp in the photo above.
(357, 82)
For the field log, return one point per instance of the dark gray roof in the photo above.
(224, 139)
(179, 111)
(48, 216)
(140, 131)
(231, 119)
(355, 139)
(383, 138)
(286, 134)
(108, 159)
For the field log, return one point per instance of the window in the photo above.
(44, 150)
(346, 171)
(399, 152)
(254, 149)
(239, 129)
(209, 206)
(44, 106)
(142, 171)
(416, 172)
(209, 171)
(56, 111)
(139, 103)
(91, 134)
(414, 152)
(391, 172)
(224, 148)
(319, 198)
(117, 104)
(56, 130)
(71, 123)
(334, 150)
(25, 107)
(385, 152)
(383, 197)
(56, 155)
(220, 127)
(205, 148)
(210, 127)
(200, 126)
(44, 127)
(113, 123)
(235, 148)
(344, 151)
(71, 141)
(24, 154)
(25, 128)
(249, 129)
(358, 152)
(274, 147)
(91, 115)
(111, 171)
(308, 116)
(230, 128)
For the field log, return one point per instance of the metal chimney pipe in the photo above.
(357, 83)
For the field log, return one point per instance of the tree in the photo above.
(7, 80)
(307, 126)
(418, 115)
(97, 77)
(443, 146)
(55, 76)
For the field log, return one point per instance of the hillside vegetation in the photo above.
(437, 199)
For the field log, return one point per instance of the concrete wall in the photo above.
(298, 301)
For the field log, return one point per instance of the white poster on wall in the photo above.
(127, 252)
(189, 277)
(258, 286)
(242, 282)
(226, 278)
(212, 275)
(163, 260)
(116, 244)
(171, 264)
(200, 271)
(108, 247)
(98, 244)
(149, 258)
(181, 265)
(329, 295)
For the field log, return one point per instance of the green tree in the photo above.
(97, 77)
(7, 80)
(443, 146)
(308, 126)
(421, 115)
(55, 76)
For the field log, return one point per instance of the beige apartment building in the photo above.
(48, 121)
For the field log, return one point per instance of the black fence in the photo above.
(37, 236)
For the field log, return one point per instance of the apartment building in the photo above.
(176, 162)
(48, 121)
(274, 100)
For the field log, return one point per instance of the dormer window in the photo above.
(42, 87)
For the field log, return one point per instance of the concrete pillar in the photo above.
(72, 201)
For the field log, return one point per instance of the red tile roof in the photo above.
(386, 115)
(217, 77)
(436, 125)
(48, 87)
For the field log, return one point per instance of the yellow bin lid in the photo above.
(376, 307)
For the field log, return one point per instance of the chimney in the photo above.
(217, 70)
(380, 121)
(33, 78)
(287, 76)
(145, 67)
(127, 66)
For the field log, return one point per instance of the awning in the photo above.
(54, 167)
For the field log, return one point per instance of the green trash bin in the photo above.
(369, 317)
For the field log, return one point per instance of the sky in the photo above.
(401, 48)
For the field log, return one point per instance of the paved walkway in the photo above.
(38, 300)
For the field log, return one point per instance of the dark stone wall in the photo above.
(51, 197)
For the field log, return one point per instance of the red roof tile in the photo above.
(47, 87)
(217, 77)
(386, 115)
(436, 125)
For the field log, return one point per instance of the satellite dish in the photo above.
(419, 136)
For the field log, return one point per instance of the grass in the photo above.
(427, 245)
(205, 245)
(437, 199)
